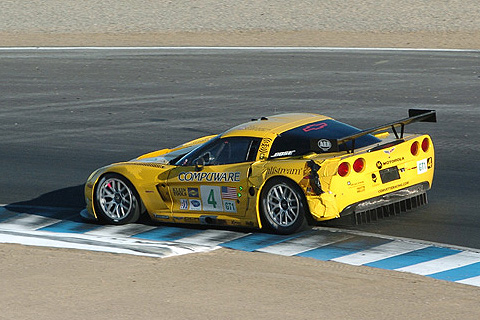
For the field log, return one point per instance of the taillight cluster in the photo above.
(359, 164)
(344, 167)
(415, 147)
(425, 144)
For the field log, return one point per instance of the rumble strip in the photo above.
(57, 227)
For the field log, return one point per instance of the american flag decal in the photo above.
(229, 193)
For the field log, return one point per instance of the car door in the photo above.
(214, 178)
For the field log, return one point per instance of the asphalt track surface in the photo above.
(63, 113)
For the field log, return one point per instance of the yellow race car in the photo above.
(280, 172)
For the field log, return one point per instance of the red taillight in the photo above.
(414, 148)
(359, 164)
(425, 144)
(343, 169)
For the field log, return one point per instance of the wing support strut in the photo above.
(414, 115)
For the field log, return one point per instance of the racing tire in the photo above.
(116, 200)
(282, 206)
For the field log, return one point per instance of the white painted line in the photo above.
(475, 281)
(211, 238)
(235, 48)
(41, 208)
(126, 230)
(105, 244)
(443, 264)
(38, 242)
(382, 236)
(301, 244)
(380, 252)
(25, 221)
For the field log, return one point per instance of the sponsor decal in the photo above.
(229, 206)
(183, 204)
(360, 189)
(389, 151)
(211, 198)
(324, 144)
(195, 205)
(379, 164)
(283, 153)
(264, 147)
(374, 177)
(314, 126)
(388, 162)
(229, 193)
(355, 184)
(193, 192)
(422, 166)
(284, 171)
(209, 176)
(429, 163)
(393, 187)
(179, 192)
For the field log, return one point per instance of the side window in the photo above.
(227, 151)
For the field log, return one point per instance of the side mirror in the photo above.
(199, 163)
(207, 157)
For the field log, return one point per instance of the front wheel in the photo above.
(282, 205)
(116, 200)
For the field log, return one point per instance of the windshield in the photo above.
(188, 158)
(220, 151)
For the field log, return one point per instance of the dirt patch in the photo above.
(344, 23)
(44, 283)
(434, 40)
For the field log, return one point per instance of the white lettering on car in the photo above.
(283, 153)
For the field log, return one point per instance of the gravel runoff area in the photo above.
(349, 23)
(43, 283)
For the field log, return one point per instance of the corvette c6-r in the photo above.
(280, 172)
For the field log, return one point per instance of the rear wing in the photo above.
(414, 115)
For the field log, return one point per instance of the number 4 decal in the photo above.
(211, 198)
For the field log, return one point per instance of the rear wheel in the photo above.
(116, 200)
(283, 206)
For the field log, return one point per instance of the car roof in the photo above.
(273, 125)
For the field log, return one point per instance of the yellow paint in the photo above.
(170, 191)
